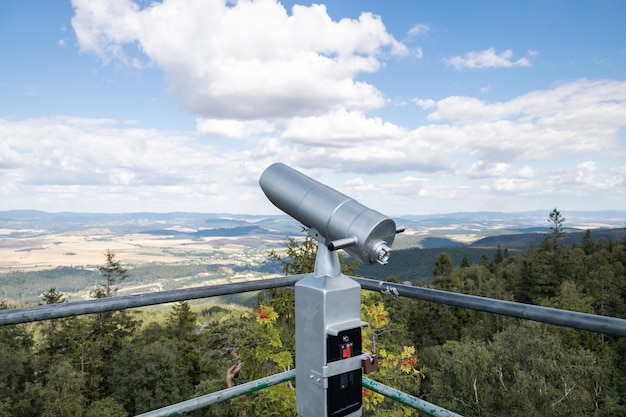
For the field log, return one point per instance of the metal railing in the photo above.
(583, 321)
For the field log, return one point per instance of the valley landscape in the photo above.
(40, 250)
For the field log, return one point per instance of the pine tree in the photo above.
(498, 257)
(557, 231)
(443, 266)
(113, 273)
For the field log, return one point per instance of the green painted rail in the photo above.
(175, 410)
(408, 400)
(219, 396)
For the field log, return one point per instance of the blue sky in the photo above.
(410, 107)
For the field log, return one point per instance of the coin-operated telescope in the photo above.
(329, 353)
(343, 222)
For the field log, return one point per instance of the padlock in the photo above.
(370, 364)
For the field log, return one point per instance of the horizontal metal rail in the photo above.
(99, 305)
(408, 400)
(576, 320)
(223, 395)
(583, 321)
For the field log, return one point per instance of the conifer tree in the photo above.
(113, 273)
(443, 266)
(557, 232)
(465, 262)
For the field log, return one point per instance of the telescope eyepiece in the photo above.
(381, 252)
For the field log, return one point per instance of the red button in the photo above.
(346, 351)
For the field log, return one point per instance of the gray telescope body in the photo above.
(343, 222)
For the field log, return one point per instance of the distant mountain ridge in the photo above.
(144, 222)
(524, 240)
(607, 218)
(535, 217)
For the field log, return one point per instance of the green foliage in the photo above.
(17, 369)
(299, 257)
(106, 407)
(485, 365)
(61, 394)
(53, 297)
(182, 321)
(148, 377)
(26, 286)
(523, 371)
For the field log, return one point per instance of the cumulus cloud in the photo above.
(288, 80)
(585, 171)
(340, 129)
(498, 137)
(576, 118)
(570, 118)
(245, 59)
(488, 58)
(586, 174)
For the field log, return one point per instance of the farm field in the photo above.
(37, 250)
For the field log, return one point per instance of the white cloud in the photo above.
(480, 169)
(94, 151)
(525, 172)
(359, 184)
(576, 118)
(236, 129)
(560, 184)
(244, 60)
(425, 103)
(585, 171)
(444, 192)
(68, 162)
(65, 163)
(417, 30)
(513, 185)
(340, 129)
(586, 174)
(571, 118)
(488, 59)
